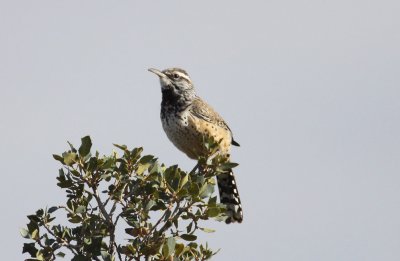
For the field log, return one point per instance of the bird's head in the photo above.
(175, 81)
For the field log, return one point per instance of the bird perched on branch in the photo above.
(186, 120)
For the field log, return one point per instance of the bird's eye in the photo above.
(175, 75)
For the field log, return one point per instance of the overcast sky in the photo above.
(311, 90)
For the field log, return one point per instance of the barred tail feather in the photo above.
(229, 196)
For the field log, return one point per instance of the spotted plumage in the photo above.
(187, 119)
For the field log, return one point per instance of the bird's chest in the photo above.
(176, 126)
(183, 132)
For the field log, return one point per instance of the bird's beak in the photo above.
(157, 72)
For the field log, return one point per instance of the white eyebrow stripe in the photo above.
(183, 76)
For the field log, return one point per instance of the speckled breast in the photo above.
(187, 133)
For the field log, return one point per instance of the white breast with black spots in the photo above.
(176, 126)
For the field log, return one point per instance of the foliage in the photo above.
(158, 208)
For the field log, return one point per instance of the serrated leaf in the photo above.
(85, 147)
(30, 248)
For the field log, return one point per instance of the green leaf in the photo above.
(132, 231)
(60, 254)
(108, 163)
(106, 256)
(206, 190)
(85, 147)
(80, 258)
(183, 181)
(146, 159)
(189, 227)
(30, 248)
(35, 234)
(69, 158)
(75, 219)
(24, 233)
(207, 230)
(182, 193)
(168, 213)
(122, 147)
(169, 247)
(136, 154)
(227, 166)
(75, 173)
(141, 168)
(63, 181)
(72, 147)
(188, 237)
(213, 212)
(59, 158)
(149, 205)
(194, 190)
(179, 249)
(52, 209)
(80, 209)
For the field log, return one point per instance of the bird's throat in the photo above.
(173, 102)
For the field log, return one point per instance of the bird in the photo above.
(187, 120)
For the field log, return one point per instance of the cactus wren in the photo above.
(186, 120)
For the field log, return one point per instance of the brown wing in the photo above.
(204, 111)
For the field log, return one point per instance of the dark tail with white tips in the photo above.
(229, 196)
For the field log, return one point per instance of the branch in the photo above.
(71, 247)
(101, 206)
(119, 254)
(155, 225)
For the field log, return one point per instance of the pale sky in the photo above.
(310, 89)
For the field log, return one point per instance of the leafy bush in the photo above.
(158, 209)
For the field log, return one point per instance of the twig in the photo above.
(43, 246)
(177, 215)
(119, 254)
(71, 247)
(195, 168)
(101, 206)
(154, 227)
